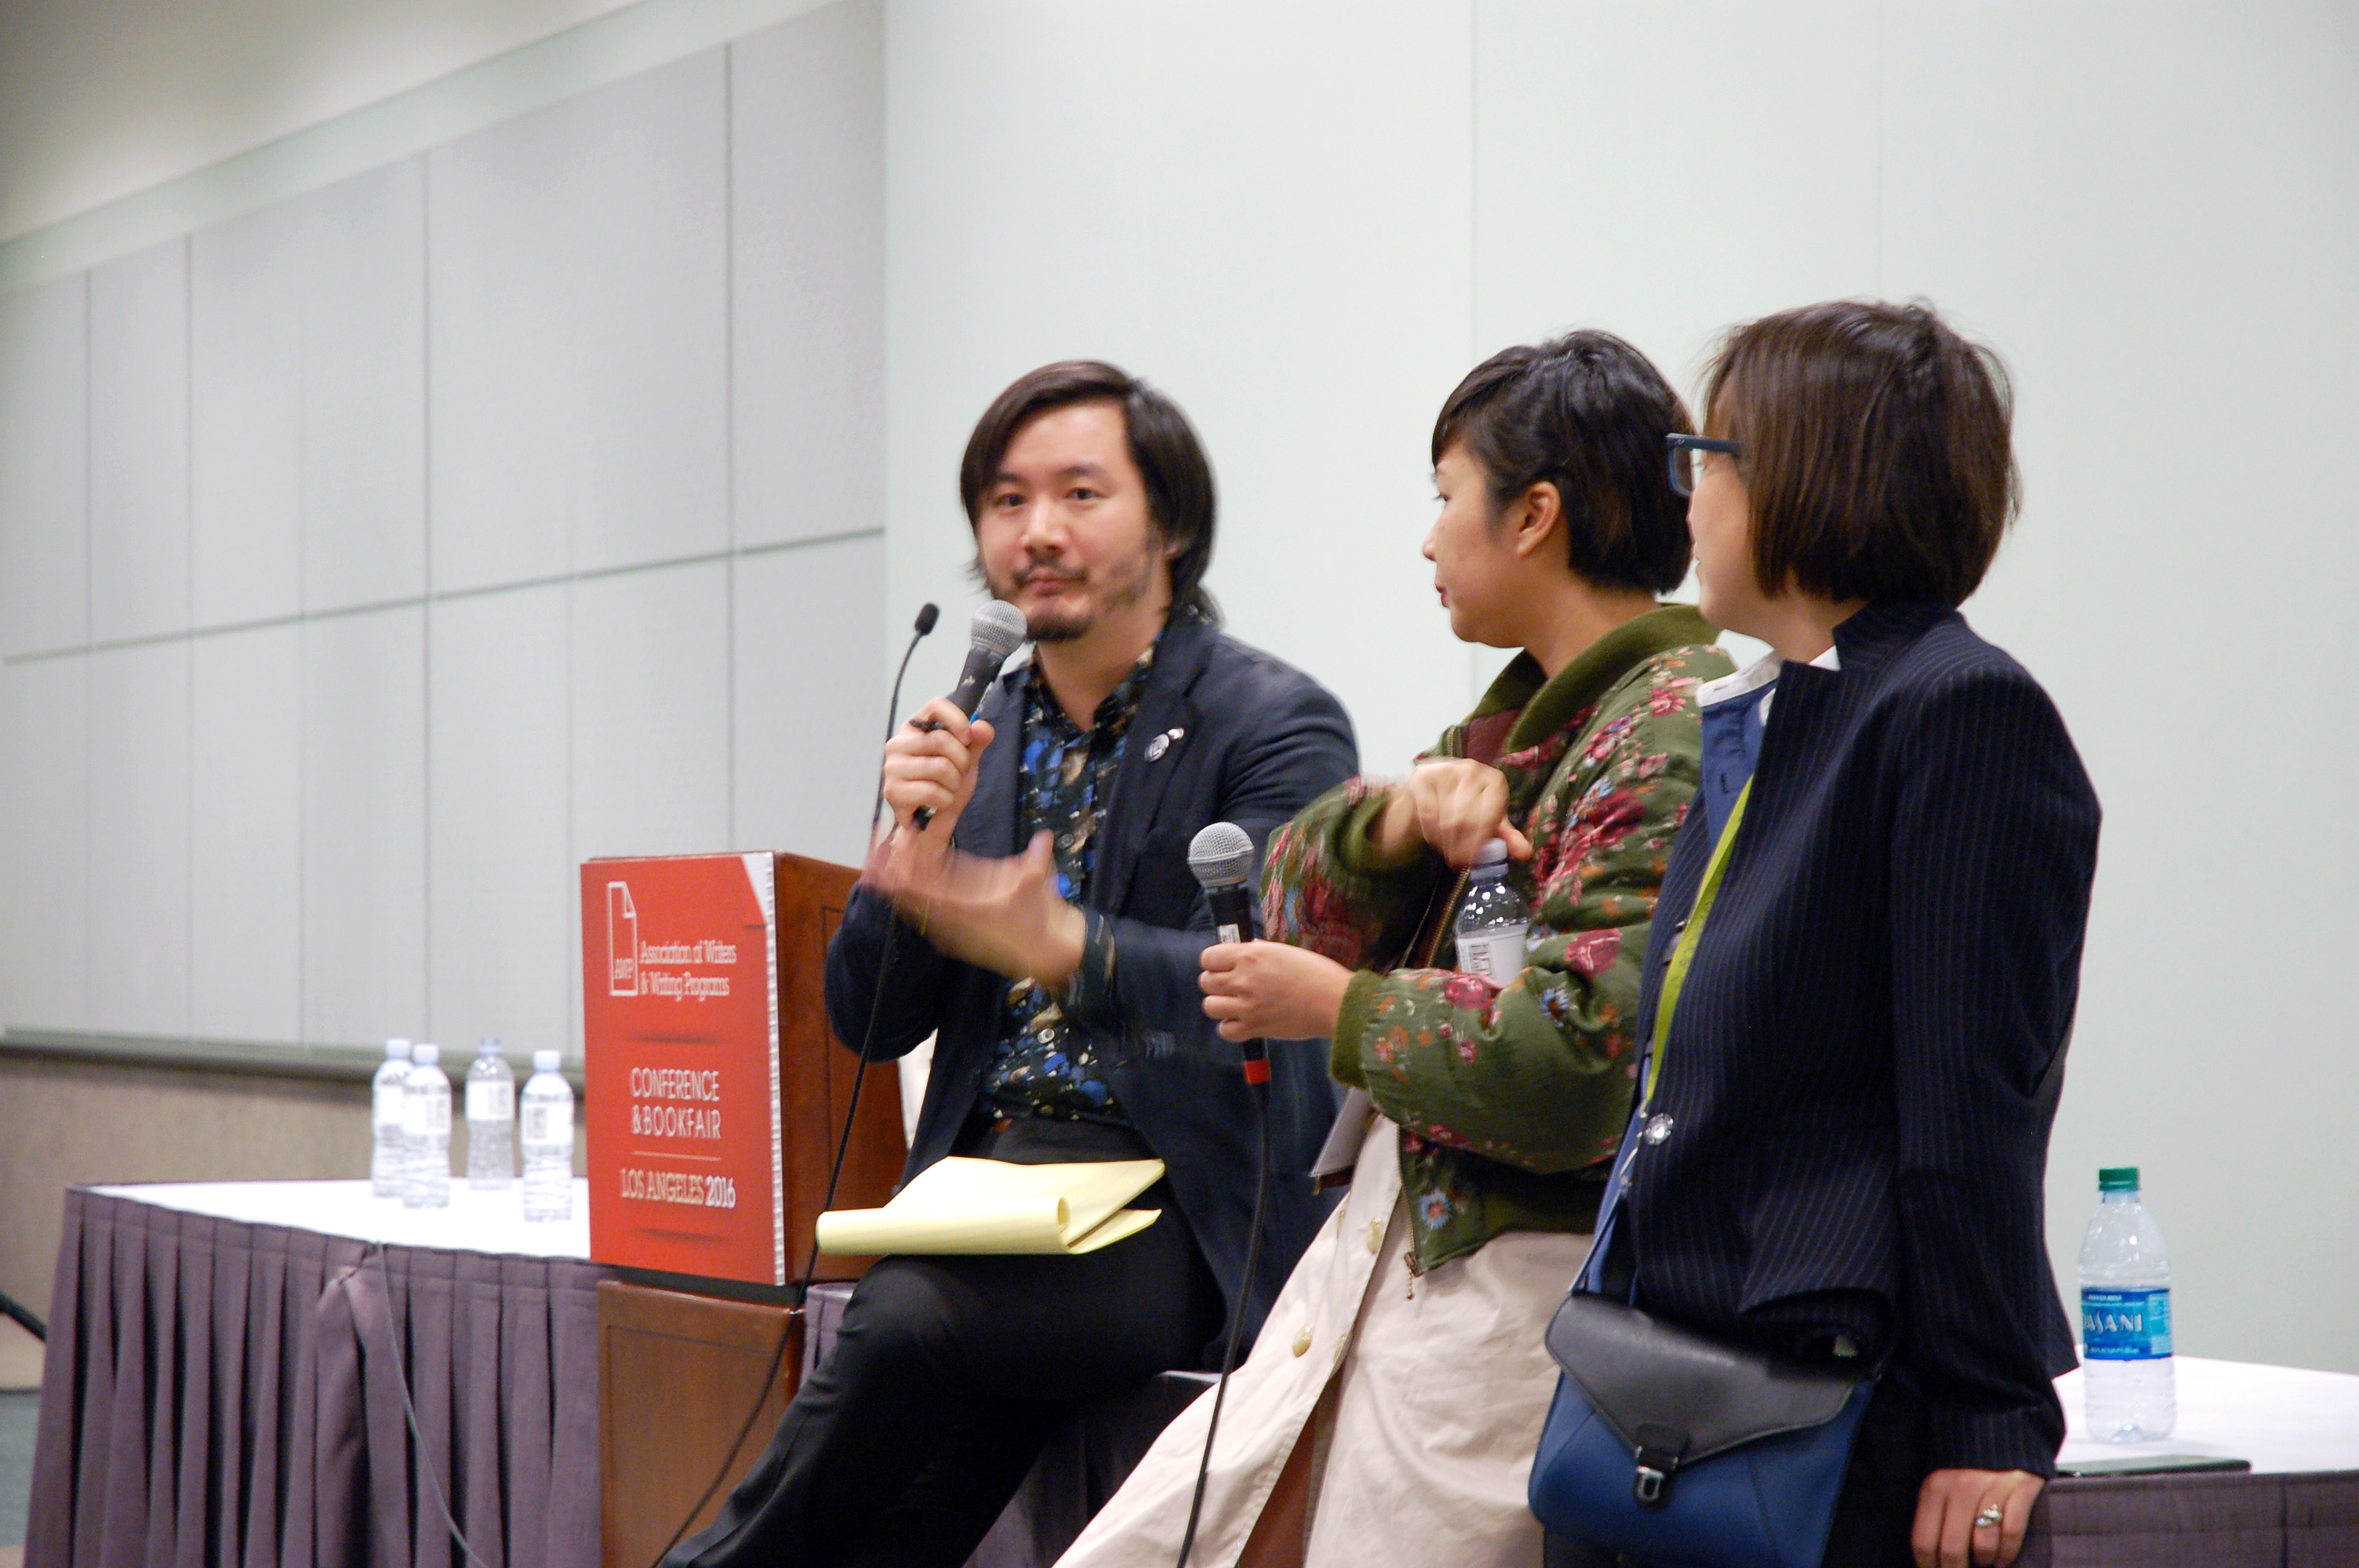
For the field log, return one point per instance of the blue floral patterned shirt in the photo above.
(1044, 1065)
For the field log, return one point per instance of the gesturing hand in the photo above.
(1454, 805)
(1267, 991)
(1004, 915)
(1953, 1509)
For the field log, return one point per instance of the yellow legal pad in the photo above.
(990, 1206)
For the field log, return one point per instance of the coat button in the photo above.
(1659, 1128)
(1302, 1340)
(1375, 1236)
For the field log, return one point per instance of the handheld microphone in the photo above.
(996, 630)
(1222, 856)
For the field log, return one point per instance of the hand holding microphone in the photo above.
(929, 764)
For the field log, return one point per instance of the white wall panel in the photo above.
(807, 113)
(651, 712)
(502, 874)
(650, 451)
(810, 704)
(139, 444)
(364, 310)
(502, 279)
(245, 417)
(1661, 174)
(44, 467)
(245, 896)
(364, 827)
(139, 839)
(45, 829)
(2178, 295)
(1261, 209)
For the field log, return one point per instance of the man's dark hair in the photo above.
(1588, 413)
(1875, 450)
(1163, 445)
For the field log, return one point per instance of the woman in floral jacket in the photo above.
(1389, 1407)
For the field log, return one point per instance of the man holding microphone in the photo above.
(1032, 909)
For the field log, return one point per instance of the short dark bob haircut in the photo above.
(1588, 413)
(1179, 498)
(1875, 450)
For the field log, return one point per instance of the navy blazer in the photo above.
(1252, 741)
(1855, 1071)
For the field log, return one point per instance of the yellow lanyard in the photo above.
(1682, 955)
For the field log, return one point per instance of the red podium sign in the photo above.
(681, 1065)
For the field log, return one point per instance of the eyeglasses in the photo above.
(1686, 455)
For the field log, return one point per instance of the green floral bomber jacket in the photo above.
(1511, 1101)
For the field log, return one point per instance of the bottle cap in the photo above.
(544, 1060)
(489, 1048)
(1493, 852)
(2117, 1179)
(426, 1055)
(396, 1050)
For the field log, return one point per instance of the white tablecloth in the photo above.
(2280, 1418)
(475, 1222)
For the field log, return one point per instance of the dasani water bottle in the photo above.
(389, 1150)
(1492, 920)
(490, 1120)
(548, 1141)
(426, 1124)
(2126, 1317)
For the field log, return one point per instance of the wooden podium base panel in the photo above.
(677, 1374)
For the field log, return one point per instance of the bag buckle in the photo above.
(1657, 1454)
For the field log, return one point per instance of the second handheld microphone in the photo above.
(1222, 856)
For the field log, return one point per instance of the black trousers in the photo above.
(946, 1377)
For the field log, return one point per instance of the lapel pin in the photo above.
(1162, 743)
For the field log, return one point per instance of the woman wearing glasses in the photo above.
(1841, 1148)
(1389, 1411)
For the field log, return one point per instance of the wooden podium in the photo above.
(684, 1362)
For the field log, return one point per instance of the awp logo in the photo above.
(621, 941)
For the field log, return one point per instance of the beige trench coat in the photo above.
(1443, 1387)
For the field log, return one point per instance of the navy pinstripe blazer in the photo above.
(1855, 1070)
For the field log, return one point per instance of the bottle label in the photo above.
(1497, 955)
(542, 1124)
(427, 1115)
(386, 1111)
(491, 1101)
(2125, 1325)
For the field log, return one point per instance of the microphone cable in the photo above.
(1238, 1315)
(801, 1293)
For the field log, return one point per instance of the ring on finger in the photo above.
(1991, 1517)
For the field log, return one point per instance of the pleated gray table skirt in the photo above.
(221, 1394)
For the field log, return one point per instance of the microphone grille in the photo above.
(1222, 856)
(998, 626)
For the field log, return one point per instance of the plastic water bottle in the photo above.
(490, 1120)
(2126, 1317)
(388, 1152)
(548, 1141)
(1493, 919)
(426, 1122)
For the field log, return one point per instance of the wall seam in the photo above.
(189, 644)
(415, 601)
(89, 624)
(426, 600)
(729, 426)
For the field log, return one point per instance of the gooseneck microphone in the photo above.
(1222, 856)
(927, 613)
(996, 630)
